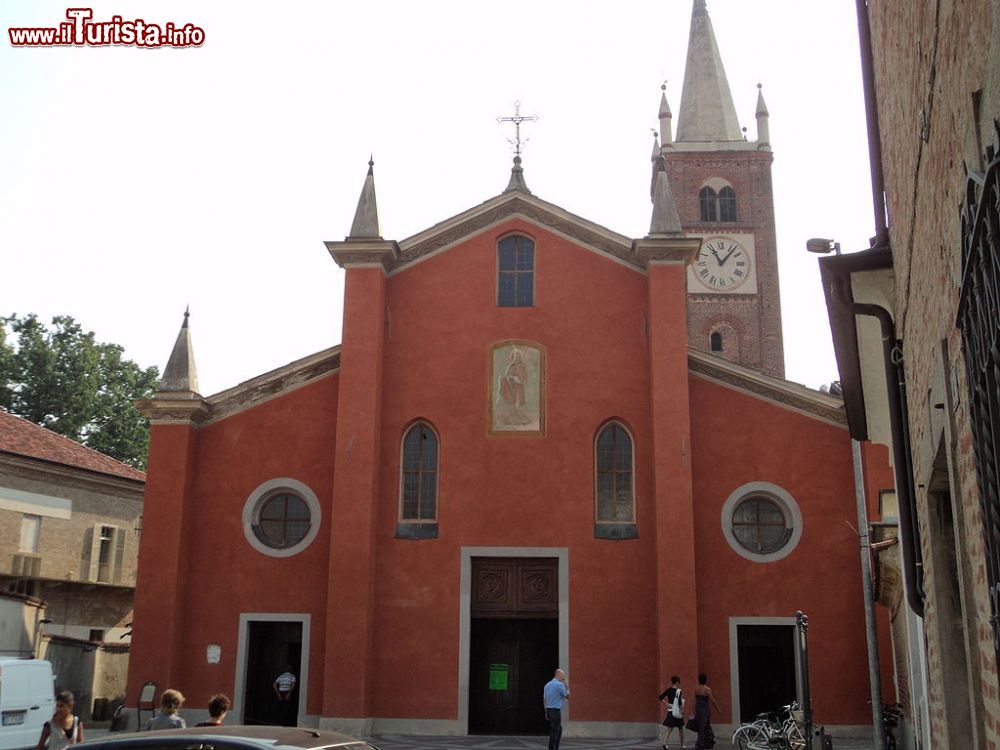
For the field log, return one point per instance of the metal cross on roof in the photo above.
(517, 119)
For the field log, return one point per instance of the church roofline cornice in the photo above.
(783, 392)
(723, 149)
(278, 382)
(273, 384)
(446, 233)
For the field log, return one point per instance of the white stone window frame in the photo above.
(779, 495)
(256, 500)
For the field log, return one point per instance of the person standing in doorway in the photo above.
(674, 701)
(285, 684)
(283, 687)
(555, 693)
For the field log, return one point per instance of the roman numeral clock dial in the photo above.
(722, 265)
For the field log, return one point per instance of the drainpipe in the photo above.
(895, 379)
(871, 110)
(874, 675)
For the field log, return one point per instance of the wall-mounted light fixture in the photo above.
(822, 246)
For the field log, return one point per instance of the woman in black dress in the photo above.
(675, 711)
(704, 701)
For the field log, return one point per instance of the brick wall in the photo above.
(930, 58)
(757, 317)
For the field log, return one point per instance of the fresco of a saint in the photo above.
(517, 388)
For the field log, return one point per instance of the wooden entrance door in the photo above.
(514, 644)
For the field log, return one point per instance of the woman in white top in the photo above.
(63, 729)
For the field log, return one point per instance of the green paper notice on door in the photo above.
(498, 676)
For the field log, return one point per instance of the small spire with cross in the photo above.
(517, 118)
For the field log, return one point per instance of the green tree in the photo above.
(65, 380)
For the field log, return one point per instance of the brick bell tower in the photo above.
(722, 186)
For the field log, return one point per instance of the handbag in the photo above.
(675, 709)
(692, 724)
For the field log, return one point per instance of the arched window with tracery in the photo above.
(615, 483)
(727, 204)
(708, 199)
(418, 492)
(717, 206)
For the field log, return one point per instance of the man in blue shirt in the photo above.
(553, 695)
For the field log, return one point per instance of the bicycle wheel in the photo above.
(750, 737)
(793, 733)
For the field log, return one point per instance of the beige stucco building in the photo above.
(69, 531)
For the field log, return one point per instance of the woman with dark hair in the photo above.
(217, 709)
(703, 703)
(674, 701)
(63, 729)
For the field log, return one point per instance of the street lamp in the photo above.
(822, 246)
(38, 634)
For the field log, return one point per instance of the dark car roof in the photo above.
(250, 737)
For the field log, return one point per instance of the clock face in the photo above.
(722, 265)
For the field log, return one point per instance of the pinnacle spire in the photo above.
(664, 219)
(517, 182)
(180, 375)
(665, 117)
(707, 112)
(761, 106)
(763, 131)
(365, 225)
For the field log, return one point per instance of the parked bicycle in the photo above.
(772, 731)
(891, 714)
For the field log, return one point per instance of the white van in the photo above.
(27, 701)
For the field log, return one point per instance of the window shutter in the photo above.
(95, 552)
(119, 542)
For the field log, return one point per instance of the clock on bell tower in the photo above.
(721, 183)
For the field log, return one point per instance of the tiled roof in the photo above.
(24, 438)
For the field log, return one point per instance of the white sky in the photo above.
(136, 181)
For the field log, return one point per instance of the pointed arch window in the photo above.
(516, 272)
(418, 490)
(707, 198)
(614, 483)
(715, 342)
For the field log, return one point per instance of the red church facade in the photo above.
(389, 633)
(426, 520)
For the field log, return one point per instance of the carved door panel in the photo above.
(515, 587)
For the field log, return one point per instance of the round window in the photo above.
(762, 522)
(281, 517)
(760, 526)
(282, 520)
